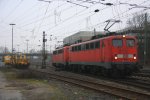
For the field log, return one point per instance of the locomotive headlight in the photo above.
(116, 57)
(134, 57)
(124, 36)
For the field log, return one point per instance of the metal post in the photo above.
(12, 38)
(43, 52)
(27, 45)
(50, 43)
(145, 39)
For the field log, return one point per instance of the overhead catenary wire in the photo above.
(23, 29)
(92, 14)
(33, 22)
(112, 17)
(77, 4)
(50, 10)
(62, 10)
(68, 18)
(36, 10)
(36, 21)
(33, 19)
(46, 17)
(71, 20)
(13, 10)
(25, 13)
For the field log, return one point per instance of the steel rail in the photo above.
(122, 92)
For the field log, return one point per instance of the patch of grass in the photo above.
(5, 69)
(38, 89)
(10, 75)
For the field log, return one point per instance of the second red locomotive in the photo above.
(112, 55)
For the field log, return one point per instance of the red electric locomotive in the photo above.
(112, 55)
(60, 57)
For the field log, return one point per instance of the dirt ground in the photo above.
(14, 87)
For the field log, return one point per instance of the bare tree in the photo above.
(137, 21)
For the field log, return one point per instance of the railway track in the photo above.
(142, 74)
(135, 83)
(95, 84)
(145, 70)
(138, 80)
(141, 80)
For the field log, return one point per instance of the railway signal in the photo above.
(43, 52)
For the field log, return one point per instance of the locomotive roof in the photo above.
(61, 48)
(112, 36)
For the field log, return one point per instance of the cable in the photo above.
(73, 15)
(13, 10)
(42, 14)
(43, 17)
(67, 20)
(25, 13)
(113, 17)
(35, 21)
(82, 19)
(77, 4)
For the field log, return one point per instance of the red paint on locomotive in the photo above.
(111, 52)
(107, 50)
(60, 56)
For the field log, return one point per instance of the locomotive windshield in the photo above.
(117, 43)
(130, 42)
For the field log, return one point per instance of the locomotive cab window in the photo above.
(117, 42)
(130, 42)
(73, 48)
(83, 47)
(60, 51)
(91, 45)
(54, 52)
(97, 44)
(79, 48)
(76, 48)
(87, 46)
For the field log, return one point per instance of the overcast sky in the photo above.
(59, 19)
